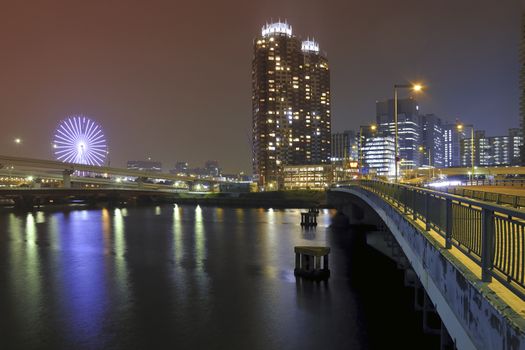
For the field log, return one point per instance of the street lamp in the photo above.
(460, 128)
(415, 88)
(18, 140)
(373, 128)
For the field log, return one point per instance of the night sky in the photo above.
(172, 80)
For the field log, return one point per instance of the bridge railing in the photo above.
(498, 198)
(492, 236)
(494, 182)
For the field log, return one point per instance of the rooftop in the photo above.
(276, 28)
(310, 46)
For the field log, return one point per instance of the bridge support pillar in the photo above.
(140, 181)
(431, 319)
(447, 343)
(66, 178)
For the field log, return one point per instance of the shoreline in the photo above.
(279, 199)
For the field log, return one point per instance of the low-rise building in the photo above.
(378, 156)
(144, 165)
(315, 176)
(492, 150)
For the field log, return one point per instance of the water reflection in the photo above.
(309, 233)
(118, 228)
(119, 246)
(82, 271)
(200, 258)
(218, 214)
(177, 233)
(28, 271)
(40, 217)
(199, 237)
(106, 230)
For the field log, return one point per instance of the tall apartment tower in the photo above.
(290, 102)
(522, 82)
(452, 145)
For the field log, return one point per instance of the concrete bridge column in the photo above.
(140, 181)
(66, 178)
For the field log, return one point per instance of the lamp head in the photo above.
(417, 87)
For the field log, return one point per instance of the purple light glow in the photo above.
(80, 140)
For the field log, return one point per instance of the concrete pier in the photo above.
(308, 219)
(66, 178)
(312, 262)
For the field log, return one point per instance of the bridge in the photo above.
(464, 257)
(107, 184)
(51, 169)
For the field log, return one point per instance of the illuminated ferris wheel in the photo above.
(78, 139)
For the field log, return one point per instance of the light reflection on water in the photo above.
(188, 276)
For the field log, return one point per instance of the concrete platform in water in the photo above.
(312, 262)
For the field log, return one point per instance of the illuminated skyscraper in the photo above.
(378, 156)
(409, 128)
(432, 140)
(291, 104)
(452, 145)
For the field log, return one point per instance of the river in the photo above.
(190, 277)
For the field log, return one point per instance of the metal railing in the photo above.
(498, 198)
(495, 182)
(492, 236)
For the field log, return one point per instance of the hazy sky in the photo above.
(172, 79)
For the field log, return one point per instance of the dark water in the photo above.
(192, 278)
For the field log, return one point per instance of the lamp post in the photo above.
(415, 88)
(460, 128)
(373, 128)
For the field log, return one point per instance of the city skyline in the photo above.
(150, 106)
(262, 175)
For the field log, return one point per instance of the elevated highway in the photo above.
(10, 165)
